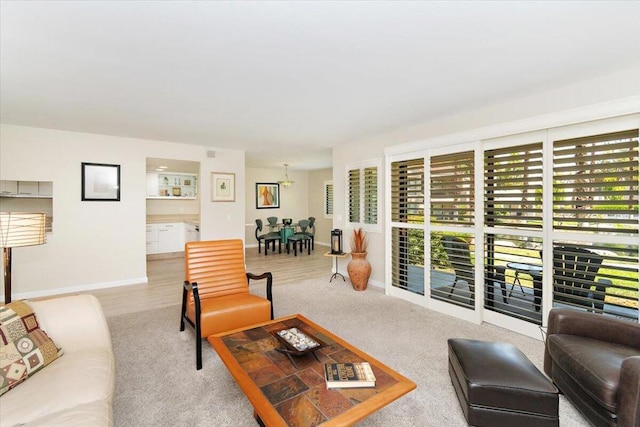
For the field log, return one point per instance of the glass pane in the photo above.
(354, 195)
(452, 188)
(452, 269)
(513, 187)
(596, 184)
(371, 195)
(407, 191)
(601, 278)
(513, 276)
(407, 265)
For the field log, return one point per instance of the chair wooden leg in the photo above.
(308, 248)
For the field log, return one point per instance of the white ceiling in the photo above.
(287, 80)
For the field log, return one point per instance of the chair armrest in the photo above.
(269, 278)
(196, 296)
(628, 409)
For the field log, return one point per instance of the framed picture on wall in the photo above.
(267, 195)
(100, 182)
(223, 187)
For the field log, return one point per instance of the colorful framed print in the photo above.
(267, 195)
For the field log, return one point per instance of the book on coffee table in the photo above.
(349, 375)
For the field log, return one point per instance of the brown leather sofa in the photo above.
(595, 362)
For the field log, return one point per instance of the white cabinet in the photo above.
(191, 233)
(8, 187)
(26, 189)
(172, 185)
(152, 185)
(45, 189)
(171, 237)
(152, 239)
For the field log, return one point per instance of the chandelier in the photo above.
(286, 182)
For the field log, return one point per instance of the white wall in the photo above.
(101, 244)
(615, 86)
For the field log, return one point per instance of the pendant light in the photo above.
(286, 182)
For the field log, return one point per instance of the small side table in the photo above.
(336, 256)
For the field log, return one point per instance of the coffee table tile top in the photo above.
(299, 395)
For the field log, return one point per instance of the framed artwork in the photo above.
(223, 187)
(267, 195)
(100, 182)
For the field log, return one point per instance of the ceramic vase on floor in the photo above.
(359, 270)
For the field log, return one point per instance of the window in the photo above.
(595, 195)
(452, 202)
(407, 191)
(362, 192)
(407, 232)
(513, 186)
(328, 199)
(452, 189)
(596, 184)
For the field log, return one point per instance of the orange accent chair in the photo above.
(215, 296)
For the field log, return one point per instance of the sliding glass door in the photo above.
(504, 229)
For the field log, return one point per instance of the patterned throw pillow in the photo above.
(25, 348)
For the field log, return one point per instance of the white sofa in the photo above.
(77, 388)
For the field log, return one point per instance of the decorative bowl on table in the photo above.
(297, 342)
(287, 221)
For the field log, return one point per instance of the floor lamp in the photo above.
(19, 229)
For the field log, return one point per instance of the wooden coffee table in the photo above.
(285, 395)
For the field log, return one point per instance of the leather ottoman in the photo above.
(497, 385)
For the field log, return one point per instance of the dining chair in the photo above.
(273, 222)
(215, 295)
(270, 237)
(300, 237)
(311, 231)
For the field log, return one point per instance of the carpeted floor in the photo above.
(157, 383)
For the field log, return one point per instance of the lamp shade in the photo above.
(22, 229)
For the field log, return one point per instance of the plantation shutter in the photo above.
(596, 183)
(354, 195)
(452, 188)
(407, 191)
(370, 195)
(513, 186)
(328, 198)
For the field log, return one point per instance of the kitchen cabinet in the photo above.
(165, 237)
(26, 189)
(171, 237)
(152, 239)
(171, 185)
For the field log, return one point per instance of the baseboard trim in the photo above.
(79, 288)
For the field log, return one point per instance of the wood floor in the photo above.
(166, 275)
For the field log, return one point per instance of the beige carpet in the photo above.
(157, 383)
